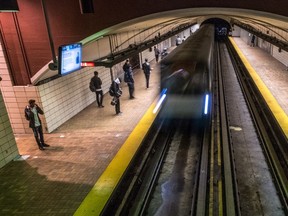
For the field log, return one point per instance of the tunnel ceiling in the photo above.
(177, 17)
(268, 26)
(259, 23)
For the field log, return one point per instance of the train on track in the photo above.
(186, 76)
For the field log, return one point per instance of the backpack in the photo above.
(91, 86)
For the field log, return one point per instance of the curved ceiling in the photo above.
(174, 18)
(255, 19)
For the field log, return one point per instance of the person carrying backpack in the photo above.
(116, 92)
(96, 82)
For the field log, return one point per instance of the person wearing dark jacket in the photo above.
(128, 78)
(116, 92)
(32, 112)
(147, 70)
(157, 53)
(126, 65)
(97, 82)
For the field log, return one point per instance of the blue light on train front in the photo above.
(206, 104)
(162, 97)
(163, 92)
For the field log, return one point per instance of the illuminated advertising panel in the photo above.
(70, 58)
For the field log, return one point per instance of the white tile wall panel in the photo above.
(280, 56)
(8, 147)
(271, 49)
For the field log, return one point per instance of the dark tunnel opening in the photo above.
(222, 27)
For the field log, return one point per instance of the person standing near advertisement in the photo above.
(32, 112)
(97, 82)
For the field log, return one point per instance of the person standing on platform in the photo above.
(97, 82)
(32, 112)
(127, 65)
(147, 71)
(253, 41)
(157, 53)
(178, 40)
(164, 53)
(128, 78)
(184, 38)
(116, 92)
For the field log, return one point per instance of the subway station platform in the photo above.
(57, 180)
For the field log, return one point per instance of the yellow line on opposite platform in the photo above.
(96, 199)
(274, 106)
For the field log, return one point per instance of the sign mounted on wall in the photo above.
(70, 58)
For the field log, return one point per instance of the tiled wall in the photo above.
(64, 97)
(60, 99)
(268, 47)
(8, 147)
(280, 56)
(16, 98)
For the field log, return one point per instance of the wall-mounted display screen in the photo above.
(70, 58)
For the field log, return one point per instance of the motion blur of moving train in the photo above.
(187, 73)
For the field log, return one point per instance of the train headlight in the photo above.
(160, 101)
(206, 104)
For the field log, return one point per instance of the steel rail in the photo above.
(232, 206)
(272, 139)
(121, 197)
(136, 178)
(151, 178)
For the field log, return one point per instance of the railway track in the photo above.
(256, 142)
(223, 167)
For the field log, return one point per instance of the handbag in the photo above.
(114, 101)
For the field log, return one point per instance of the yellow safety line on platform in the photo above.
(276, 109)
(96, 199)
